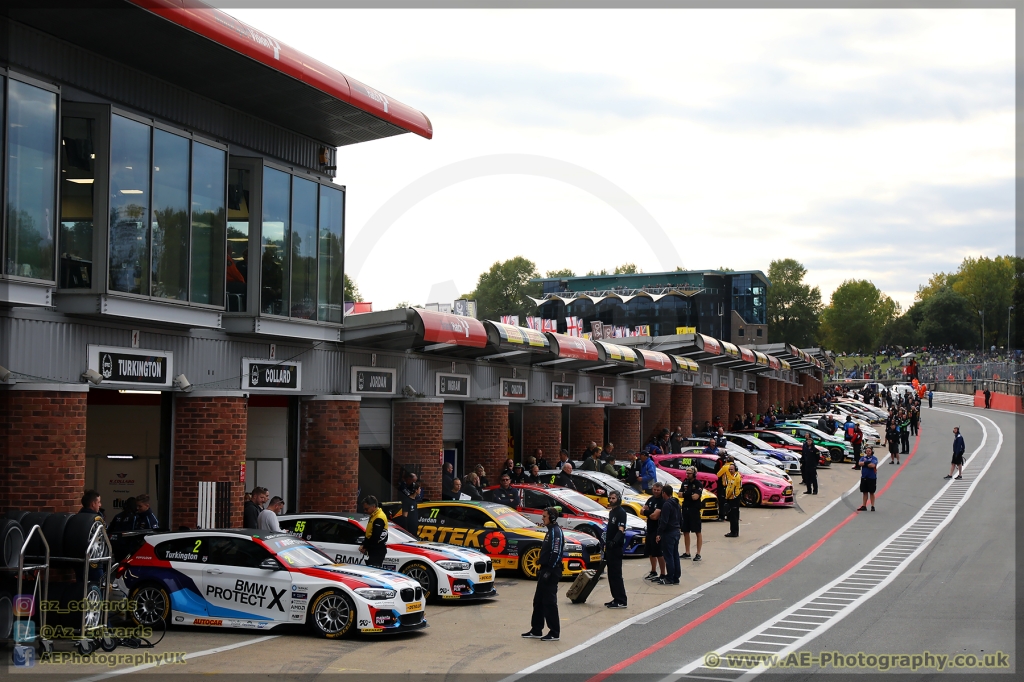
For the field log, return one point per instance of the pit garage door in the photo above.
(375, 424)
(453, 421)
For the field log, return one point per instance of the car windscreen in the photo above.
(397, 536)
(297, 553)
(509, 518)
(786, 438)
(577, 500)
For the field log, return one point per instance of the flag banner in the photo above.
(596, 330)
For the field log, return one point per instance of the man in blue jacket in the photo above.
(648, 471)
(958, 455)
(545, 599)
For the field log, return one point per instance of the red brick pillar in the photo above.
(542, 428)
(682, 408)
(720, 405)
(806, 386)
(750, 403)
(586, 424)
(656, 416)
(763, 394)
(624, 429)
(42, 447)
(417, 441)
(701, 406)
(487, 437)
(209, 446)
(737, 405)
(328, 454)
(774, 398)
(790, 394)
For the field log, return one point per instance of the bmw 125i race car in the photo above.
(441, 570)
(510, 539)
(596, 485)
(258, 580)
(579, 513)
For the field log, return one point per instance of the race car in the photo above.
(784, 441)
(511, 540)
(787, 459)
(758, 489)
(596, 485)
(442, 571)
(753, 458)
(259, 580)
(838, 449)
(578, 513)
(757, 465)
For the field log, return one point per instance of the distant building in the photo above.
(726, 305)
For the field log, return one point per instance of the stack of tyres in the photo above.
(67, 534)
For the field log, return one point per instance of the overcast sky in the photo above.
(866, 144)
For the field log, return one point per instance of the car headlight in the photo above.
(572, 547)
(454, 565)
(772, 485)
(375, 593)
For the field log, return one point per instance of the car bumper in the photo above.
(421, 624)
(467, 590)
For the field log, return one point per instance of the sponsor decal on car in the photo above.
(299, 595)
(208, 621)
(250, 594)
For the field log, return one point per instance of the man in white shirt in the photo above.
(267, 520)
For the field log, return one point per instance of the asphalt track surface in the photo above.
(952, 594)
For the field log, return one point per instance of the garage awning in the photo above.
(456, 330)
(525, 337)
(654, 364)
(685, 364)
(573, 353)
(616, 359)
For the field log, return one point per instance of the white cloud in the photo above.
(861, 142)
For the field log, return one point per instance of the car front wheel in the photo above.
(422, 574)
(751, 496)
(529, 563)
(332, 614)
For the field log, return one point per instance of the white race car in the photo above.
(441, 570)
(259, 580)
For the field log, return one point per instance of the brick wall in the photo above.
(486, 437)
(417, 442)
(682, 408)
(328, 455)
(773, 392)
(720, 405)
(750, 404)
(701, 406)
(585, 424)
(763, 394)
(42, 434)
(737, 405)
(656, 417)
(209, 445)
(807, 387)
(624, 429)
(542, 428)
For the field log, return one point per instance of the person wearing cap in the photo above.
(648, 472)
(545, 598)
(518, 475)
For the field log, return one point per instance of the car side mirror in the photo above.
(490, 524)
(601, 492)
(270, 564)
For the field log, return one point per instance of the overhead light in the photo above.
(134, 392)
(182, 383)
(120, 456)
(92, 376)
(81, 181)
(92, 156)
(131, 191)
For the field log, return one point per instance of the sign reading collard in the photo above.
(514, 389)
(452, 385)
(373, 380)
(271, 375)
(149, 368)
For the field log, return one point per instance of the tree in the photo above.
(627, 269)
(591, 273)
(900, 331)
(855, 316)
(946, 319)
(793, 306)
(935, 282)
(351, 290)
(987, 284)
(505, 288)
(563, 273)
(724, 269)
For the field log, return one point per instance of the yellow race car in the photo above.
(596, 485)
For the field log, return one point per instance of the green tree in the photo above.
(627, 269)
(987, 284)
(505, 289)
(855, 316)
(564, 272)
(591, 273)
(724, 269)
(793, 306)
(900, 331)
(351, 290)
(946, 319)
(935, 282)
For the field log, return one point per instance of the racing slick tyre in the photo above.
(332, 614)
(6, 615)
(11, 540)
(152, 604)
(837, 455)
(422, 574)
(77, 531)
(750, 496)
(529, 562)
(53, 529)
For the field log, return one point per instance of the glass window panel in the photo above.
(31, 180)
(276, 217)
(332, 240)
(209, 184)
(78, 175)
(303, 249)
(129, 205)
(238, 239)
(170, 215)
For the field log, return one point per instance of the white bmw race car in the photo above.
(441, 570)
(259, 580)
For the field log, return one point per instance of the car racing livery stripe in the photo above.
(348, 579)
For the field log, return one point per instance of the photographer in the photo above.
(411, 494)
(375, 544)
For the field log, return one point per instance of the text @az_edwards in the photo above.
(880, 662)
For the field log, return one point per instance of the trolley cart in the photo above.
(23, 632)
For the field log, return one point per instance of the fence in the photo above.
(998, 372)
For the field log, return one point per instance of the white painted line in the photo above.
(188, 657)
(605, 634)
(850, 608)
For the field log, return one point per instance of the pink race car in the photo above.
(758, 489)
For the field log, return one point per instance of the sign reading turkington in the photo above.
(452, 385)
(373, 380)
(271, 375)
(149, 368)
